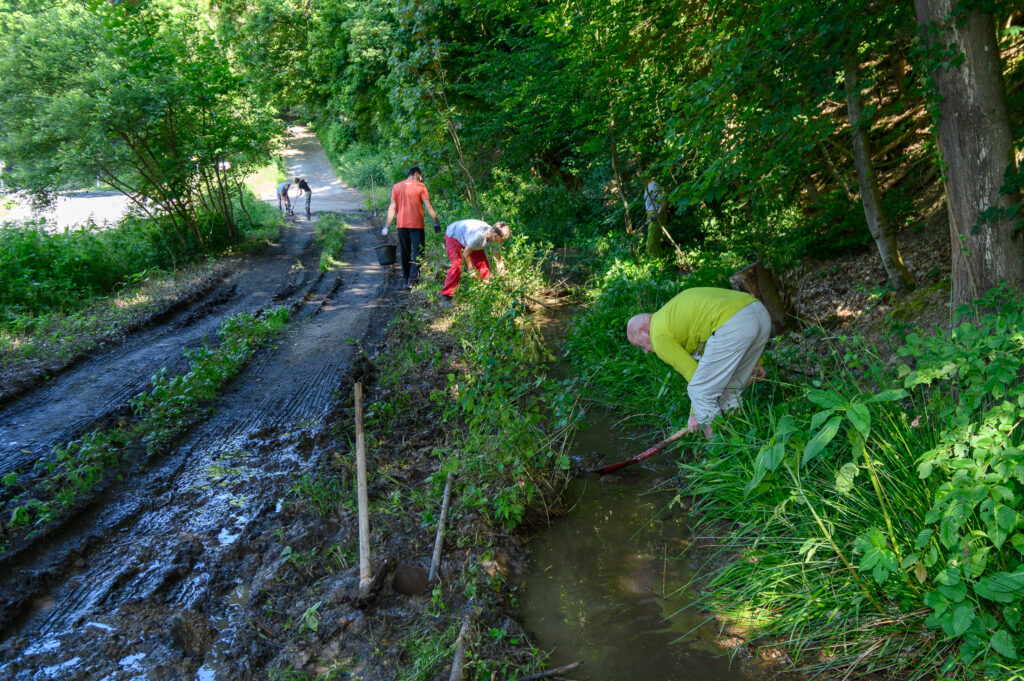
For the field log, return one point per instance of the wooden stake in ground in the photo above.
(435, 563)
(459, 660)
(365, 574)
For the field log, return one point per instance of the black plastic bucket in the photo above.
(385, 254)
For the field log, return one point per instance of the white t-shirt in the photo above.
(652, 197)
(472, 234)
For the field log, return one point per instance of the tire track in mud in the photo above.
(95, 390)
(144, 584)
(170, 542)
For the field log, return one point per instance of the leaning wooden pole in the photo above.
(459, 659)
(365, 574)
(435, 562)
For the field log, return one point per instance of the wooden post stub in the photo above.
(435, 562)
(365, 572)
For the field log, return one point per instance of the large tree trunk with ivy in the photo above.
(976, 145)
(878, 224)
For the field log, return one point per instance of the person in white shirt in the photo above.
(466, 240)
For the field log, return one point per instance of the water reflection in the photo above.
(608, 584)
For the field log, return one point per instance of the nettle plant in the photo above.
(973, 539)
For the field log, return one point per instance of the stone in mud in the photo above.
(410, 580)
(192, 633)
(497, 565)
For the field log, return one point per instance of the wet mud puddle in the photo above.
(608, 582)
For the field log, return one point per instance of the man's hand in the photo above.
(437, 226)
(384, 232)
(759, 375)
(692, 427)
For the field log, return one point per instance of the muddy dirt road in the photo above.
(142, 584)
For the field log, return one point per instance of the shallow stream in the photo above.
(608, 583)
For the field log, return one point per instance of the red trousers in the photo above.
(478, 258)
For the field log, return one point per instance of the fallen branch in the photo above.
(551, 672)
(534, 300)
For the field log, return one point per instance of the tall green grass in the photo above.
(43, 272)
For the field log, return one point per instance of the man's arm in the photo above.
(430, 209)
(392, 207)
(675, 356)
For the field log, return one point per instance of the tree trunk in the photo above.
(654, 204)
(618, 175)
(976, 145)
(879, 226)
(836, 173)
(758, 281)
(899, 72)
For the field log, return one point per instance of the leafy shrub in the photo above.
(546, 212)
(867, 520)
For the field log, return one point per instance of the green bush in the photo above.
(886, 518)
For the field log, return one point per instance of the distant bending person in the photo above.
(303, 186)
(468, 240)
(408, 198)
(283, 198)
(714, 337)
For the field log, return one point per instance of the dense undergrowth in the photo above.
(30, 501)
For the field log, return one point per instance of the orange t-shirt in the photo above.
(409, 196)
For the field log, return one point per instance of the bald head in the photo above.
(638, 331)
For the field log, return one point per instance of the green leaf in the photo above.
(889, 395)
(963, 617)
(820, 440)
(820, 418)
(825, 399)
(1002, 587)
(860, 417)
(845, 476)
(1002, 643)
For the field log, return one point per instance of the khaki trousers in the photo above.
(729, 358)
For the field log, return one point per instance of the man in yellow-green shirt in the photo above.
(714, 337)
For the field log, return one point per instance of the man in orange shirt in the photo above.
(407, 200)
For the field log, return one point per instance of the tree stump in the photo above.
(758, 281)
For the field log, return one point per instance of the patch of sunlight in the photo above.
(443, 323)
(133, 300)
(844, 312)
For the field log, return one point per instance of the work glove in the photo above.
(384, 232)
(437, 227)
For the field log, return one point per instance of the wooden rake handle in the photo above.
(642, 455)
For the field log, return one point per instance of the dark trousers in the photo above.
(410, 246)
